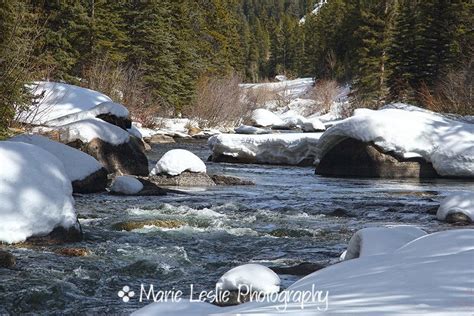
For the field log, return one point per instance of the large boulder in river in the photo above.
(85, 172)
(35, 194)
(353, 158)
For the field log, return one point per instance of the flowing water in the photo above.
(288, 217)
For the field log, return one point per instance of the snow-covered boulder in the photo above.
(380, 240)
(176, 161)
(113, 147)
(111, 112)
(411, 280)
(457, 207)
(313, 125)
(265, 118)
(434, 144)
(285, 149)
(54, 100)
(127, 185)
(85, 172)
(251, 130)
(35, 193)
(250, 278)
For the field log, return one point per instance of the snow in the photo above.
(126, 185)
(264, 118)
(245, 129)
(35, 192)
(89, 129)
(447, 143)
(431, 275)
(459, 202)
(135, 131)
(288, 148)
(78, 165)
(253, 277)
(176, 161)
(59, 99)
(108, 107)
(380, 240)
(315, 11)
(289, 89)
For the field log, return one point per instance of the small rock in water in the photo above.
(340, 212)
(73, 252)
(131, 225)
(229, 180)
(458, 218)
(7, 260)
(303, 268)
(283, 232)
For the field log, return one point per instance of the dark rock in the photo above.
(73, 252)
(235, 298)
(127, 158)
(58, 236)
(131, 225)
(304, 268)
(186, 179)
(353, 158)
(95, 182)
(250, 160)
(7, 260)
(295, 233)
(340, 212)
(229, 180)
(458, 218)
(122, 122)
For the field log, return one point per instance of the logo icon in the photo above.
(126, 294)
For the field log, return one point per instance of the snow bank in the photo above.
(55, 100)
(176, 161)
(265, 118)
(108, 107)
(35, 192)
(253, 277)
(290, 148)
(126, 185)
(459, 202)
(380, 240)
(287, 89)
(431, 275)
(448, 144)
(87, 130)
(78, 165)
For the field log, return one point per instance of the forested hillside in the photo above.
(387, 50)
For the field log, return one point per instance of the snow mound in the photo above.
(108, 107)
(289, 149)
(265, 118)
(459, 202)
(126, 185)
(176, 161)
(35, 192)
(89, 129)
(78, 165)
(448, 144)
(250, 277)
(380, 240)
(56, 99)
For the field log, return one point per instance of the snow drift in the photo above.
(35, 192)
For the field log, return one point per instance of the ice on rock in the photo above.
(458, 202)
(35, 192)
(176, 161)
(380, 240)
(126, 185)
(447, 143)
(78, 165)
(250, 277)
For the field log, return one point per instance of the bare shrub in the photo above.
(257, 97)
(218, 102)
(324, 94)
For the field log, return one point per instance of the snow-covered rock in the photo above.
(126, 185)
(77, 164)
(54, 100)
(448, 144)
(176, 161)
(105, 108)
(251, 130)
(250, 278)
(35, 193)
(289, 149)
(431, 275)
(313, 125)
(380, 240)
(456, 204)
(265, 118)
